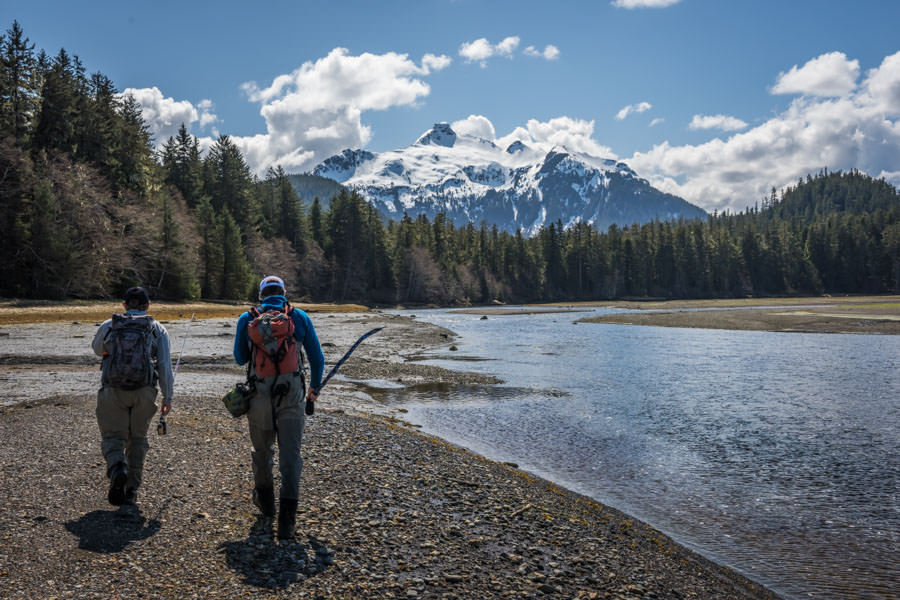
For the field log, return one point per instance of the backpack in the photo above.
(129, 355)
(274, 347)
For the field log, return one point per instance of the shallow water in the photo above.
(775, 453)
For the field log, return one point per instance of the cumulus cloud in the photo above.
(550, 52)
(573, 134)
(882, 86)
(477, 125)
(858, 129)
(431, 62)
(633, 108)
(643, 3)
(723, 122)
(207, 116)
(165, 115)
(826, 75)
(656, 122)
(481, 49)
(316, 111)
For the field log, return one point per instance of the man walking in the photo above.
(136, 357)
(268, 335)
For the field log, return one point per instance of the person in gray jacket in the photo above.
(136, 358)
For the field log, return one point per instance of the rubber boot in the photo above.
(287, 519)
(264, 499)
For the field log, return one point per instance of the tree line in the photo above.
(88, 207)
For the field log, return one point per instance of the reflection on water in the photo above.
(775, 453)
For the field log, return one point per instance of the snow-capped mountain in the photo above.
(472, 179)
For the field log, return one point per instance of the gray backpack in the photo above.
(129, 345)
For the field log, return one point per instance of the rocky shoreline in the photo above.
(386, 512)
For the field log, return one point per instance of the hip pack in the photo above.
(274, 347)
(129, 352)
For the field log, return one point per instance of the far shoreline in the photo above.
(812, 314)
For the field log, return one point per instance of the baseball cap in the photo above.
(270, 281)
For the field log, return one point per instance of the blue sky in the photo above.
(714, 100)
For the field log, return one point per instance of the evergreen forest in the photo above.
(91, 205)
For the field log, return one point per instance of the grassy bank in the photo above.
(46, 311)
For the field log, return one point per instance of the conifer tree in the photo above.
(228, 182)
(55, 128)
(211, 264)
(182, 165)
(237, 279)
(18, 84)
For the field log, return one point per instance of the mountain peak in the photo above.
(516, 146)
(471, 179)
(439, 135)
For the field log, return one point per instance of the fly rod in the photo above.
(310, 406)
(161, 427)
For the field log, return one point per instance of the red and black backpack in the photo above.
(274, 348)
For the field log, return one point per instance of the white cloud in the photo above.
(656, 122)
(165, 115)
(316, 111)
(574, 134)
(858, 130)
(476, 125)
(550, 52)
(826, 75)
(507, 46)
(636, 108)
(882, 86)
(723, 122)
(207, 117)
(481, 49)
(431, 62)
(643, 3)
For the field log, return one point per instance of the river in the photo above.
(777, 454)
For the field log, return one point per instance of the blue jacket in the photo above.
(304, 332)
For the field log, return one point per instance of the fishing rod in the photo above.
(310, 406)
(161, 427)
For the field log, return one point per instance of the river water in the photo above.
(777, 454)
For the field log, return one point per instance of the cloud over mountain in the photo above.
(317, 109)
(831, 125)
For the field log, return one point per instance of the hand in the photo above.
(311, 395)
(166, 407)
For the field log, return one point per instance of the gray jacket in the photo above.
(160, 351)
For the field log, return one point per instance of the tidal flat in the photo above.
(825, 314)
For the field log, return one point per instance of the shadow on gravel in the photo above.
(111, 531)
(275, 565)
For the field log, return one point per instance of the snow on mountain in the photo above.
(472, 179)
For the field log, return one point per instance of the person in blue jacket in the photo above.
(279, 415)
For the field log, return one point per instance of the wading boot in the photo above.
(118, 475)
(264, 500)
(130, 497)
(287, 519)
